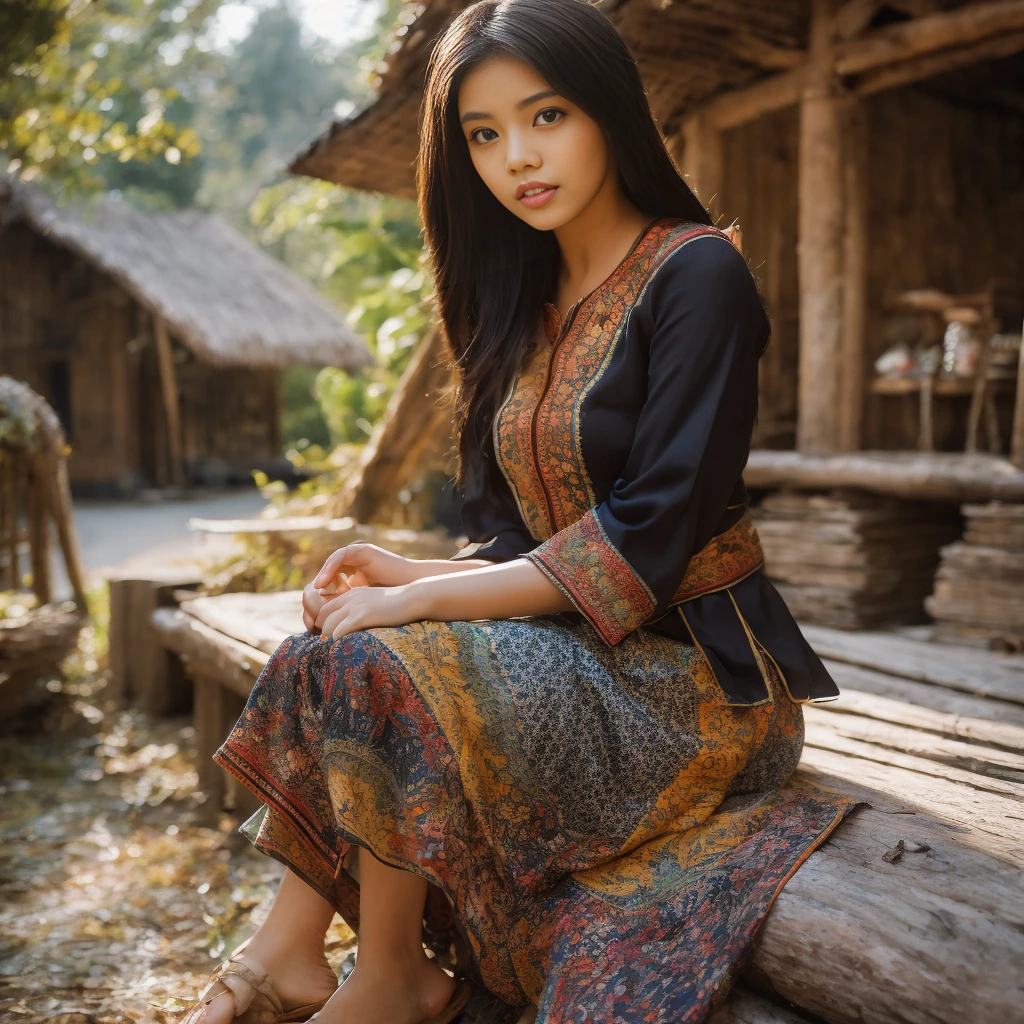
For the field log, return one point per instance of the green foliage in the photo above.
(109, 87)
(365, 252)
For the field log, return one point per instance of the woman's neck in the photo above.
(595, 242)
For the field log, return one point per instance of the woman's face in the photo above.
(522, 135)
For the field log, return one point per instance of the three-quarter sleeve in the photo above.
(621, 563)
(490, 516)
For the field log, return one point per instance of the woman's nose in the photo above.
(519, 155)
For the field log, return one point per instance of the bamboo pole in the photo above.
(169, 392)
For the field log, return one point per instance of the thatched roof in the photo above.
(688, 51)
(221, 296)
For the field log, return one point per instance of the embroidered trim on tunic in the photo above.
(587, 568)
(553, 488)
(584, 564)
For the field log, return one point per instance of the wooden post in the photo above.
(831, 252)
(1017, 432)
(169, 391)
(855, 276)
(703, 161)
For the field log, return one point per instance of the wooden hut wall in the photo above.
(760, 189)
(946, 209)
(229, 417)
(65, 329)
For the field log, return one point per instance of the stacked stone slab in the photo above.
(979, 588)
(851, 559)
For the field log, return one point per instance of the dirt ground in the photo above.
(115, 900)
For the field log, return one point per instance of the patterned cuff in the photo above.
(584, 564)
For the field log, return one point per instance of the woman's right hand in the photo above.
(360, 564)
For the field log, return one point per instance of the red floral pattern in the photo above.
(596, 823)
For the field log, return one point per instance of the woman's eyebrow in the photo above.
(476, 115)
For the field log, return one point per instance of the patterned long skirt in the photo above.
(601, 829)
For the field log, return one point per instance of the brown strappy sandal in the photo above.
(256, 1001)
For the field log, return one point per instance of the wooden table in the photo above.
(913, 911)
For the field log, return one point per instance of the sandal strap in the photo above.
(243, 982)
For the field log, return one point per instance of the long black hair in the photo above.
(492, 271)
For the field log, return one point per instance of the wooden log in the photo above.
(983, 674)
(854, 16)
(169, 394)
(893, 44)
(938, 476)
(416, 421)
(901, 917)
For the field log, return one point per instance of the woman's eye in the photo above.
(476, 131)
(550, 115)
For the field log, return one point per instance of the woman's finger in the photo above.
(332, 567)
(329, 608)
(331, 622)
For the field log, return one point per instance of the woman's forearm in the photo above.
(486, 591)
(423, 567)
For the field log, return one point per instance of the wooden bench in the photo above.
(912, 912)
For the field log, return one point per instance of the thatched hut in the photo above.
(869, 150)
(157, 338)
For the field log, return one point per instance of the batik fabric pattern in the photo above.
(604, 829)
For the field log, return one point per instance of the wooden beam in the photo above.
(927, 45)
(921, 36)
(169, 393)
(703, 161)
(757, 51)
(741, 106)
(922, 68)
(855, 16)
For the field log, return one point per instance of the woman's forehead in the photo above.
(500, 80)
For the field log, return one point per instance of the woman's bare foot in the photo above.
(400, 991)
(298, 975)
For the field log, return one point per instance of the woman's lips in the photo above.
(540, 198)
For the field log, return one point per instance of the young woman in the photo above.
(564, 751)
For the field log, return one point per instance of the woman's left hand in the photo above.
(364, 607)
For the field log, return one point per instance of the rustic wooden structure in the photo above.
(911, 912)
(841, 134)
(34, 503)
(851, 559)
(157, 338)
(979, 589)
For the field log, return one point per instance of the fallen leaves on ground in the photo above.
(116, 897)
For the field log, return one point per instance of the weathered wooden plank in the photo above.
(261, 621)
(978, 672)
(912, 695)
(1000, 733)
(208, 651)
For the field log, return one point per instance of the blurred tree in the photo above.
(103, 90)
